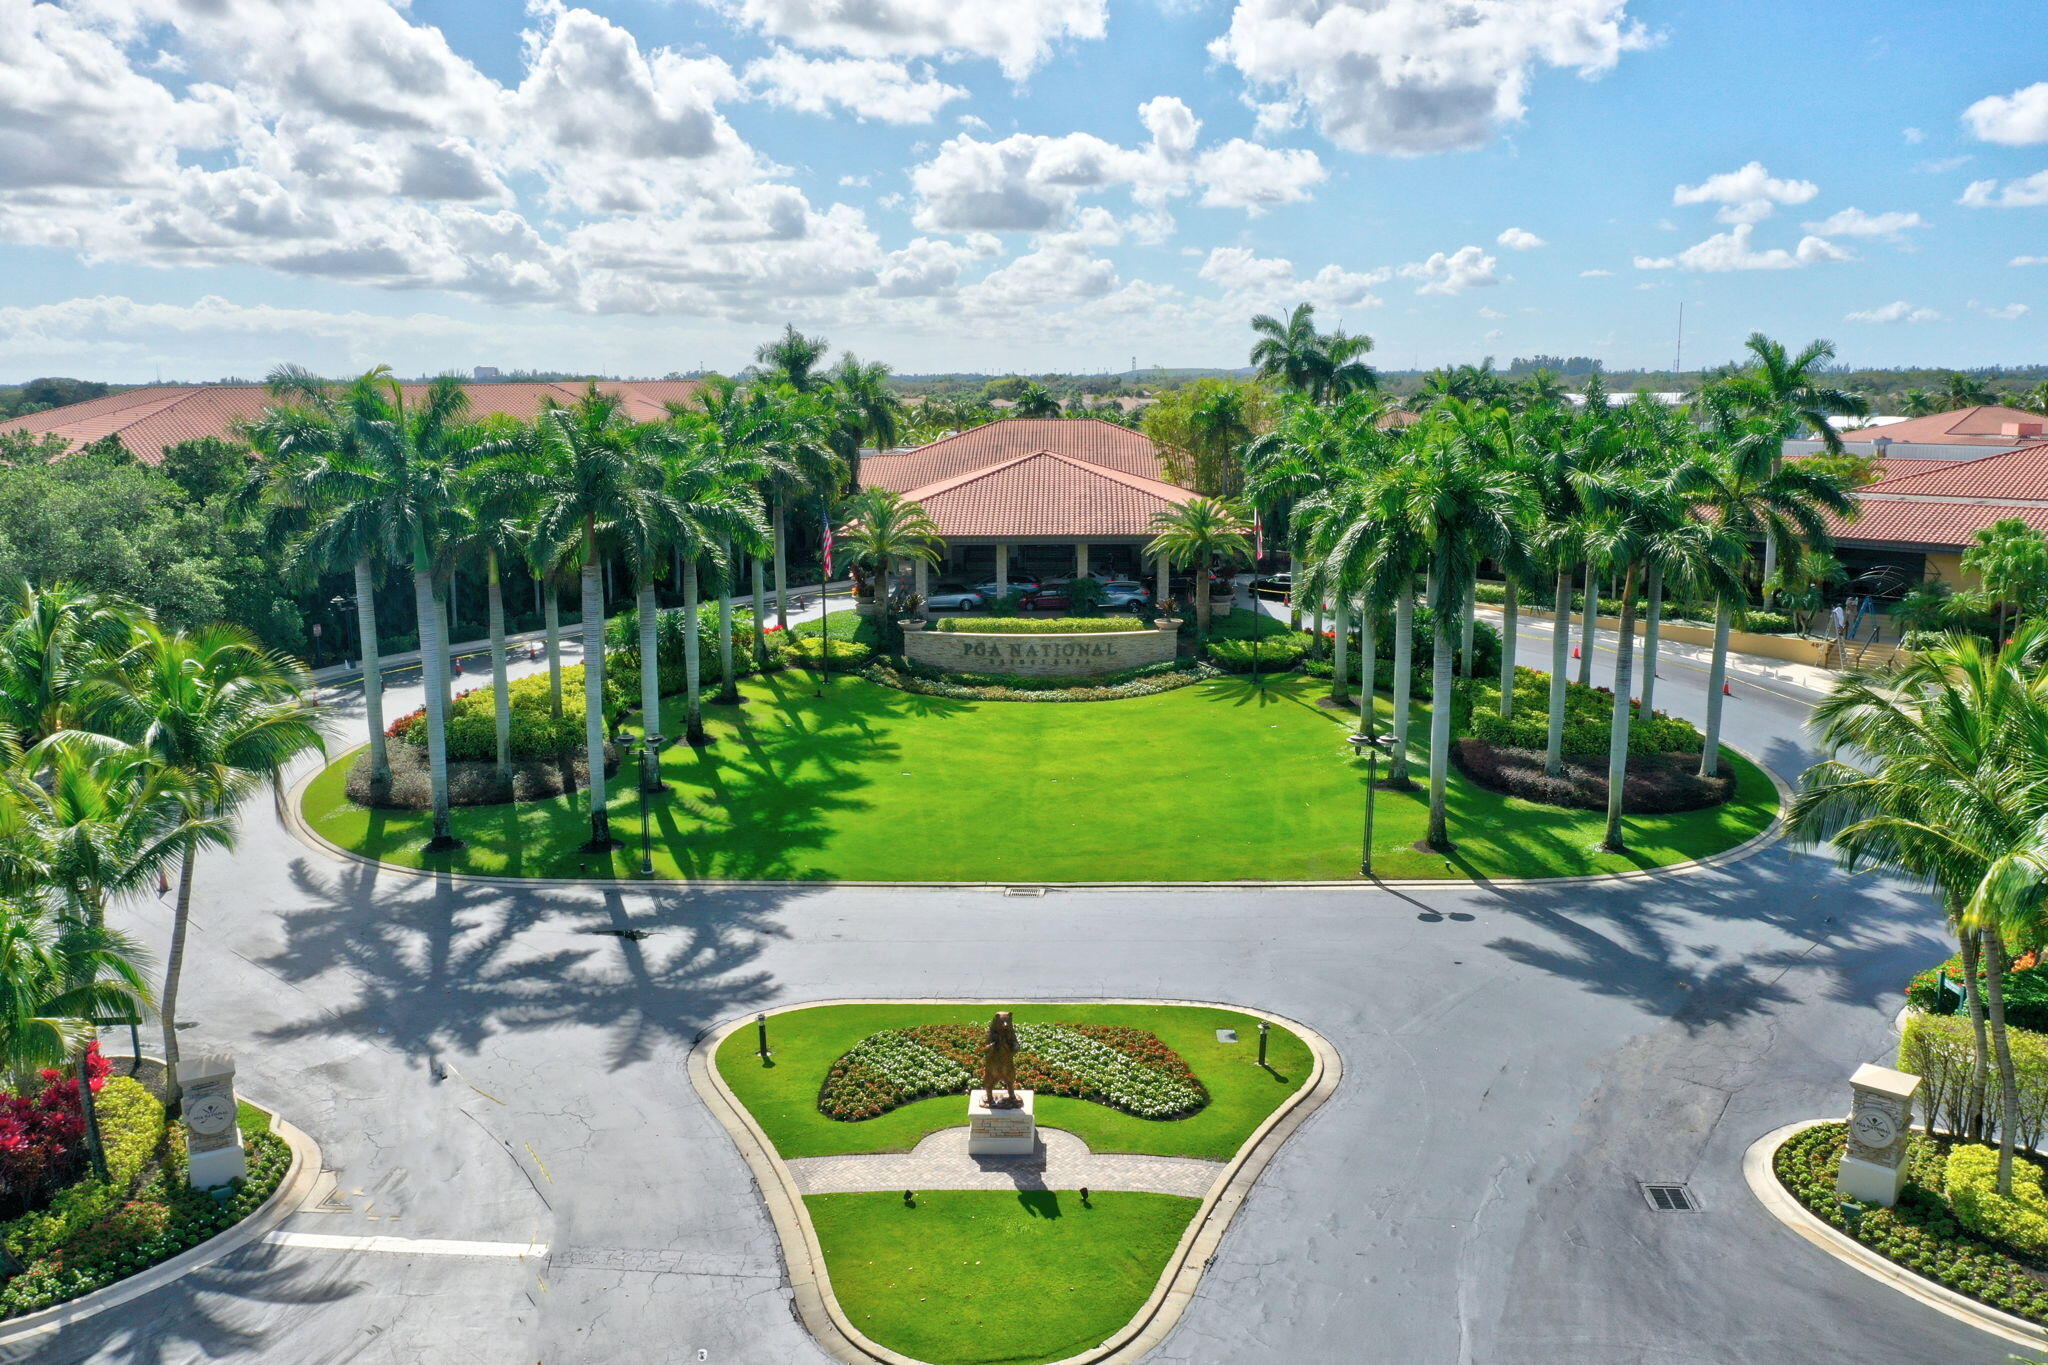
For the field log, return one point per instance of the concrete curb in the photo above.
(293, 819)
(292, 1191)
(1758, 1170)
(804, 1259)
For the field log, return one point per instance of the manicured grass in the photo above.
(783, 1098)
(1220, 781)
(994, 1277)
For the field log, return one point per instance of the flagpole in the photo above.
(825, 603)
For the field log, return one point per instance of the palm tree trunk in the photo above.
(1717, 678)
(1653, 588)
(782, 570)
(1770, 566)
(1448, 591)
(1340, 691)
(373, 671)
(2008, 1086)
(1404, 684)
(1468, 623)
(1617, 731)
(88, 1110)
(1588, 628)
(1315, 639)
(1368, 662)
(1293, 593)
(434, 672)
(501, 692)
(1560, 669)
(1980, 1070)
(758, 581)
(693, 672)
(174, 970)
(728, 685)
(650, 672)
(1202, 603)
(593, 693)
(551, 616)
(1510, 622)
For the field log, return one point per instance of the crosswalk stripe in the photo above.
(404, 1246)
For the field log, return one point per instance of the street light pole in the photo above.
(1368, 743)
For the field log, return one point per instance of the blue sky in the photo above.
(200, 188)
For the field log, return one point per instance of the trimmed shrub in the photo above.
(1942, 1050)
(2026, 991)
(1144, 681)
(1034, 625)
(1273, 654)
(1763, 622)
(1655, 784)
(131, 1127)
(1587, 713)
(2020, 1222)
(847, 656)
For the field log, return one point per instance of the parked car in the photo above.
(1126, 594)
(954, 597)
(1279, 585)
(990, 590)
(1051, 597)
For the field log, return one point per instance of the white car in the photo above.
(953, 597)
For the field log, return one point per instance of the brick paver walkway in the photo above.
(1062, 1162)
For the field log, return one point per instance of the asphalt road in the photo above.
(497, 1067)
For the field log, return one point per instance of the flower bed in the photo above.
(1144, 681)
(1125, 1068)
(1923, 1233)
(1653, 783)
(2026, 991)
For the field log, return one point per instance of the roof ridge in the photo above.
(1139, 481)
(1986, 462)
(953, 481)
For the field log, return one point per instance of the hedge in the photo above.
(1654, 784)
(1942, 1051)
(1588, 714)
(2026, 991)
(1756, 622)
(1034, 625)
(847, 656)
(536, 731)
(2020, 1221)
(1923, 1233)
(1144, 681)
(1274, 654)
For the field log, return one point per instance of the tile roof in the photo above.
(1046, 494)
(1942, 525)
(2021, 474)
(1087, 439)
(148, 419)
(1978, 426)
(1947, 504)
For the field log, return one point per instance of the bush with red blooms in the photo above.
(42, 1137)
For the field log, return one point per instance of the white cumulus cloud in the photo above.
(1016, 34)
(1732, 250)
(1899, 311)
(1520, 239)
(2028, 192)
(1267, 283)
(1857, 223)
(1466, 268)
(867, 87)
(2015, 120)
(1748, 195)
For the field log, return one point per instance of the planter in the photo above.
(911, 623)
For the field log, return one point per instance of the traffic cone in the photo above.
(1726, 690)
(1575, 651)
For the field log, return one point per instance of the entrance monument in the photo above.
(1873, 1167)
(213, 1140)
(1000, 1124)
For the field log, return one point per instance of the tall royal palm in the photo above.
(792, 359)
(1301, 457)
(1465, 508)
(1324, 366)
(589, 475)
(797, 447)
(1792, 393)
(715, 475)
(215, 708)
(1199, 535)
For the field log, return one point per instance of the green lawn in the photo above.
(993, 1277)
(783, 1098)
(1219, 781)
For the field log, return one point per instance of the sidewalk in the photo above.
(334, 675)
(1804, 676)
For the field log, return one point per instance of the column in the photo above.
(1164, 585)
(1002, 570)
(1080, 558)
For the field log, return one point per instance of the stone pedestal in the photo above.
(1873, 1169)
(213, 1140)
(1001, 1132)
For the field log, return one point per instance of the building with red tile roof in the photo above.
(1946, 437)
(1920, 521)
(148, 419)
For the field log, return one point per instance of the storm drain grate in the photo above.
(1033, 891)
(1670, 1198)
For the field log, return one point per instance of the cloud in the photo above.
(1595, 274)
(1900, 311)
(2014, 120)
(1731, 250)
(1492, 314)
(2008, 312)
(867, 87)
(1029, 182)
(1520, 239)
(1466, 268)
(1266, 283)
(1913, 135)
(2028, 260)
(1748, 195)
(2027, 192)
(1018, 35)
(1857, 223)
(1412, 77)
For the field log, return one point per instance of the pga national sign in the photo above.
(1051, 656)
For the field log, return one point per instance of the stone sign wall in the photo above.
(1042, 656)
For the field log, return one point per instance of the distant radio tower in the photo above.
(1678, 351)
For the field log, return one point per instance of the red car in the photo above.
(1051, 597)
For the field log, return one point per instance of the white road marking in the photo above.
(405, 1246)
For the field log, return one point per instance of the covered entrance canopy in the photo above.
(1050, 498)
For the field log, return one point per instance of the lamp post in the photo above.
(340, 605)
(1369, 743)
(650, 746)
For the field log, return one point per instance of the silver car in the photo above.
(953, 597)
(1126, 594)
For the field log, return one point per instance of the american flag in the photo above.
(828, 546)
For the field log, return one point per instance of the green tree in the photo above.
(1202, 429)
(884, 529)
(1961, 390)
(1199, 535)
(2011, 559)
(52, 641)
(1324, 366)
(59, 979)
(1035, 400)
(792, 359)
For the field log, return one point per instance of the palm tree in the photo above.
(1791, 393)
(2010, 558)
(492, 523)
(1746, 487)
(1323, 366)
(732, 449)
(317, 451)
(805, 433)
(1936, 771)
(1035, 400)
(1464, 507)
(1961, 390)
(52, 639)
(590, 476)
(225, 715)
(883, 528)
(869, 413)
(60, 979)
(1296, 460)
(1198, 535)
(792, 358)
